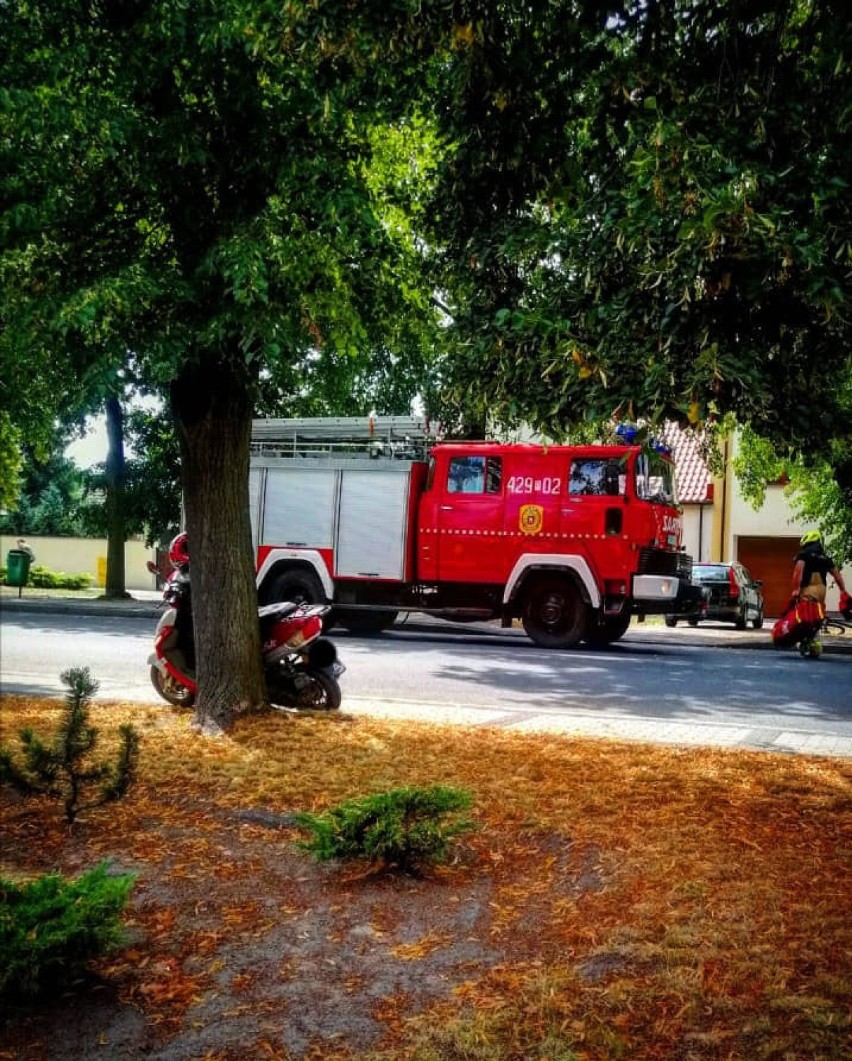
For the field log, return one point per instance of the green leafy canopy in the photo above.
(647, 213)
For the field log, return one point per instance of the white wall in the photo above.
(74, 556)
(774, 517)
(698, 530)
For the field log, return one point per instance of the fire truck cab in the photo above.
(571, 540)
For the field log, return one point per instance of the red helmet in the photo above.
(179, 550)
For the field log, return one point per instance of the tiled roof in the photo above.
(693, 479)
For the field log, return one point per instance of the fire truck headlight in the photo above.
(668, 588)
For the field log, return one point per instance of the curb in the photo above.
(68, 606)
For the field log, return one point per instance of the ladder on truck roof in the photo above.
(396, 437)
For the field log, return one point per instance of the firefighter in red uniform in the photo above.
(803, 619)
(811, 570)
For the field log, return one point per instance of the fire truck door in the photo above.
(593, 505)
(533, 487)
(469, 516)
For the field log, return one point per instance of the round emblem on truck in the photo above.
(530, 519)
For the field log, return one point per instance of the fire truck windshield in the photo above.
(654, 476)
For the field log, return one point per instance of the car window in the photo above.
(709, 573)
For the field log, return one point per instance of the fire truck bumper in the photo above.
(665, 593)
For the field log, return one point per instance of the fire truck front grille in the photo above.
(658, 562)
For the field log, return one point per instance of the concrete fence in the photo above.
(75, 556)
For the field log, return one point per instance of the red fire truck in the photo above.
(377, 516)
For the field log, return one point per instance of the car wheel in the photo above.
(671, 620)
(693, 622)
(757, 621)
(742, 621)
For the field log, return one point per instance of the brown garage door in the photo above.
(771, 561)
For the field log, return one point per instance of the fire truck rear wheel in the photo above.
(554, 614)
(300, 587)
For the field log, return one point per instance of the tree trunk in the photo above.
(213, 409)
(116, 536)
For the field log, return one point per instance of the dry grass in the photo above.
(632, 901)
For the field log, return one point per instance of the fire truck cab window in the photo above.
(655, 479)
(592, 476)
(475, 475)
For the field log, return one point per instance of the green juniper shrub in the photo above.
(41, 577)
(404, 827)
(64, 769)
(50, 928)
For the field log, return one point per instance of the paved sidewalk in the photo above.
(140, 602)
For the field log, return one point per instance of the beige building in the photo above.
(719, 524)
(765, 541)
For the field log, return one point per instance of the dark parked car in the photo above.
(732, 596)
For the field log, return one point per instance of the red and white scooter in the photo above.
(301, 667)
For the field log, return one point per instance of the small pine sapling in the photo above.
(404, 828)
(63, 769)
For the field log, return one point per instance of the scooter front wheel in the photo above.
(175, 693)
(312, 690)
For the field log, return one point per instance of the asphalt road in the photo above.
(653, 685)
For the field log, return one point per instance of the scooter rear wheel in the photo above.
(175, 693)
(317, 691)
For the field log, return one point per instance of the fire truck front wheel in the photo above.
(554, 613)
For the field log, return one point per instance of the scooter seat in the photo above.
(276, 610)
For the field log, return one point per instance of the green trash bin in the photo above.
(17, 568)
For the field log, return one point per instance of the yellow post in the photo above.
(102, 561)
(721, 506)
